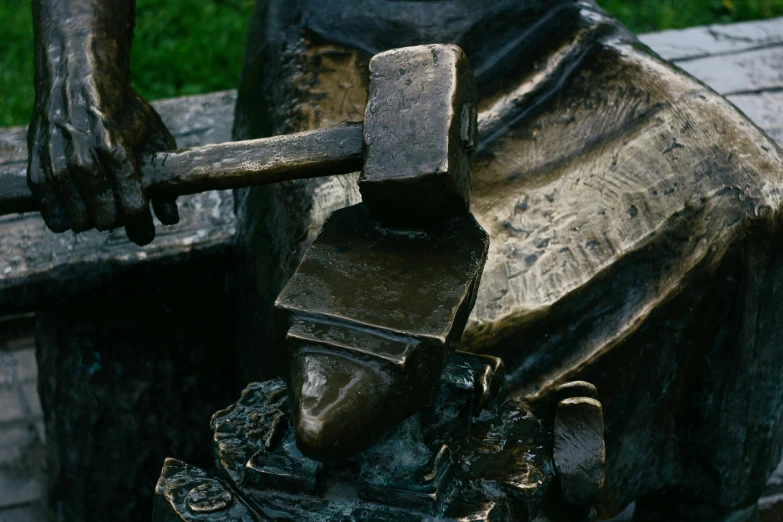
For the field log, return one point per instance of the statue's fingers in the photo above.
(166, 210)
(140, 228)
(134, 205)
(52, 211)
(93, 184)
(158, 138)
(59, 178)
(161, 139)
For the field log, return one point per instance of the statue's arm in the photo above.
(89, 127)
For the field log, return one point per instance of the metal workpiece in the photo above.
(420, 132)
(368, 319)
(450, 461)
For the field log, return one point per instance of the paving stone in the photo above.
(32, 513)
(11, 408)
(710, 40)
(18, 439)
(771, 508)
(7, 369)
(32, 403)
(26, 366)
(17, 367)
(19, 403)
(765, 109)
(739, 73)
(18, 489)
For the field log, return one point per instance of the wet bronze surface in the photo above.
(419, 135)
(369, 319)
(452, 461)
(89, 128)
(633, 214)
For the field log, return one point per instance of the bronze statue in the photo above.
(382, 421)
(632, 213)
(89, 127)
(472, 454)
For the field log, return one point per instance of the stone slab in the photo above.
(16, 440)
(718, 39)
(745, 73)
(764, 109)
(17, 366)
(19, 489)
(33, 513)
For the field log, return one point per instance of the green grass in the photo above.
(194, 46)
(16, 62)
(180, 47)
(654, 15)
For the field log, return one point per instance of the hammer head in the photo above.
(419, 135)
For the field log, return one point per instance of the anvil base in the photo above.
(474, 454)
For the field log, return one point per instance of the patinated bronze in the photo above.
(419, 135)
(89, 128)
(633, 217)
(399, 188)
(579, 451)
(474, 453)
(633, 221)
(374, 310)
(370, 317)
(369, 321)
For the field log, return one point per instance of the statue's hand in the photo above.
(88, 132)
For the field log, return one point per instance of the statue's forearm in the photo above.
(78, 37)
(89, 127)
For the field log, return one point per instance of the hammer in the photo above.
(413, 148)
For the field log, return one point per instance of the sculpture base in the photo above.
(475, 454)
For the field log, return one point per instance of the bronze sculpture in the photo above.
(460, 459)
(381, 421)
(629, 208)
(89, 127)
(622, 199)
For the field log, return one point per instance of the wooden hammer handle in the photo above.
(325, 152)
